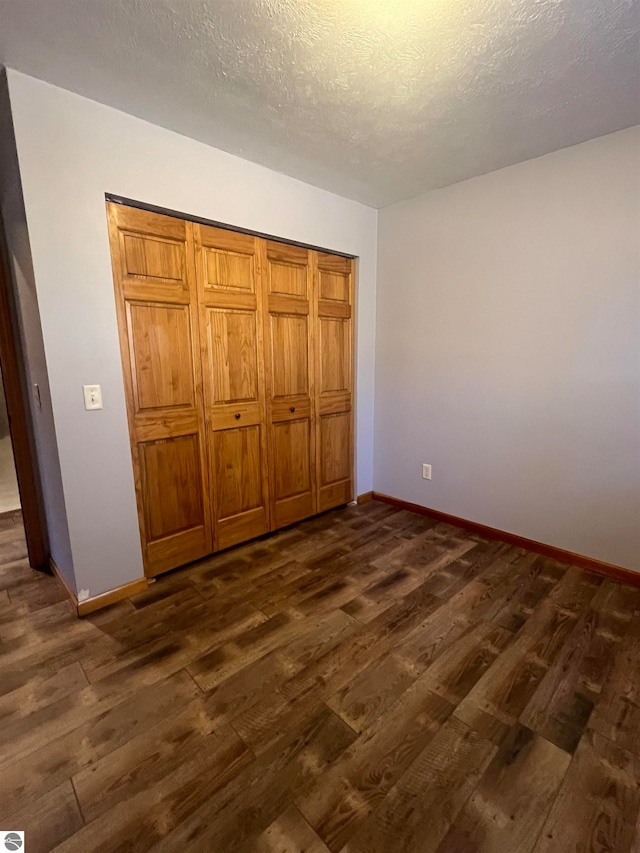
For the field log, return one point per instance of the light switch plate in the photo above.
(426, 471)
(92, 397)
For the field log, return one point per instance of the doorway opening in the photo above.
(9, 492)
(23, 531)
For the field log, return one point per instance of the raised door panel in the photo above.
(287, 271)
(333, 286)
(335, 459)
(172, 485)
(161, 345)
(240, 500)
(237, 480)
(229, 271)
(230, 296)
(156, 301)
(293, 475)
(335, 355)
(289, 354)
(153, 258)
(288, 279)
(233, 355)
(333, 325)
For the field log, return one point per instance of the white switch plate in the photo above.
(92, 397)
(426, 471)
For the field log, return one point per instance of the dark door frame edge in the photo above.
(20, 422)
(177, 214)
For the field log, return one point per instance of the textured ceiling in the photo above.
(377, 100)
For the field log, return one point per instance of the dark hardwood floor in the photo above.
(369, 681)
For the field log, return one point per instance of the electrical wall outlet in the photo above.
(426, 471)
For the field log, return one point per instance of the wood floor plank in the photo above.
(140, 821)
(502, 694)
(599, 802)
(616, 715)
(40, 692)
(143, 760)
(560, 708)
(351, 788)
(367, 680)
(373, 692)
(18, 621)
(419, 809)
(513, 798)
(47, 820)
(289, 833)
(246, 807)
(75, 734)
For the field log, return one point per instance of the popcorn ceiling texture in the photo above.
(377, 100)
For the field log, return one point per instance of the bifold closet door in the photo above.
(333, 336)
(157, 307)
(289, 375)
(230, 296)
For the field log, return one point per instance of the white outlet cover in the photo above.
(426, 471)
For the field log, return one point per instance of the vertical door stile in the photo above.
(197, 258)
(315, 350)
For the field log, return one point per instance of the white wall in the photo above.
(508, 349)
(71, 151)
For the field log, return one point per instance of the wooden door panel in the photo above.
(292, 464)
(334, 441)
(292, 459)
(290, 355)
(287, 270)
(335, 355)
(152, 257)
(335, 460)
(332, 317)
(240, 499)
(161, 345)
(233, 355)
(172, 484)
(237, 476)
(288, 279)
(333, 286)
(290, 410)
(228, 272)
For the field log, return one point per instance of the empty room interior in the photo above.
(320, 426)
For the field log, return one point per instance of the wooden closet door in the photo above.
(157, 309)
(333, 335)
(288, 284)
(230, 296)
